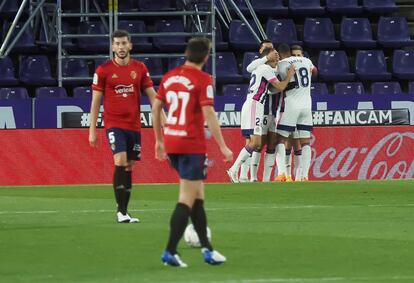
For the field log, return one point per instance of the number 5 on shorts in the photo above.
(111, 137)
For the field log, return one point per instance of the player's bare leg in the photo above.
(306, 158)
(256, 143)
(244, 167)
(270, 156)
(281, 158)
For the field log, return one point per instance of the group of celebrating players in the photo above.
(277, 113)
(278, 103)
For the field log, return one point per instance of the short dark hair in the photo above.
(197, 49)
(121, 33)
(283, 48)
(266, 51)
(296, 47)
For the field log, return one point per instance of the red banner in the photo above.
(63, 156)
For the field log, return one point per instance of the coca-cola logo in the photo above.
(391, 157)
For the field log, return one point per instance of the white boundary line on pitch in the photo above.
(208, 209)
(321, 279)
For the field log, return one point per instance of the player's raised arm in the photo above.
(95, 106)
(281, 85)
(214, 127)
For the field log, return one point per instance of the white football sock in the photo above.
(288, 163)
(244, 169)
(243, 155)
(306, 160)
(269, 163)
(297, 169)
(281, 158)
(254, 165)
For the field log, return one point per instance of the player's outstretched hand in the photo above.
(160, 151)
(228, 154)
(92, 139)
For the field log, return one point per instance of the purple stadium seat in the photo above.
(380, 6)
(75, 68)
(35, 70)
(13, 93)
(393, 32)
(386, 88)
(7, 76)
(282, 30)
(269, 7)
(26, 42)
(247, 59)
(93, 44)
(306, 7)
(51, 92)
(403, 64)
(343, 6)
(154, 66)
(235, 89)
(67, 43)
(175, 62)
(82, 92)
(139, 43)
(334, 66)
(126, 5)
(169, 43)
(371, 65)
(240, 36)
(319, 89)
(411, 87)
(319, 33)
(99, 61)
(349, 88)
(151, 5)
(357, 33)
(221, 44)
(226, 68)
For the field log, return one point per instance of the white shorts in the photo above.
(252, 118)
(269, 124)
(295, 119)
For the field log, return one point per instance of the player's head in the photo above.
(296, 50)
(197, 50)
(266, 52)
(121, 43)
(265, 43)
(284, 50)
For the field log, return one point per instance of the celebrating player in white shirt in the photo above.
(252, 116)
(298, 110)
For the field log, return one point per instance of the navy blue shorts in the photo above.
(121, 140)
(190, 166)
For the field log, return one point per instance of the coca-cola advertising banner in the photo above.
(49, 157)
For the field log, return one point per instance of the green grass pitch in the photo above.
(298, 232)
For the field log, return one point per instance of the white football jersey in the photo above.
(301, 95)
(260, 81)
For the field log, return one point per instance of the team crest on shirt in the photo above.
(133, 75)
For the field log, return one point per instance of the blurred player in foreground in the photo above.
(189, 95)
